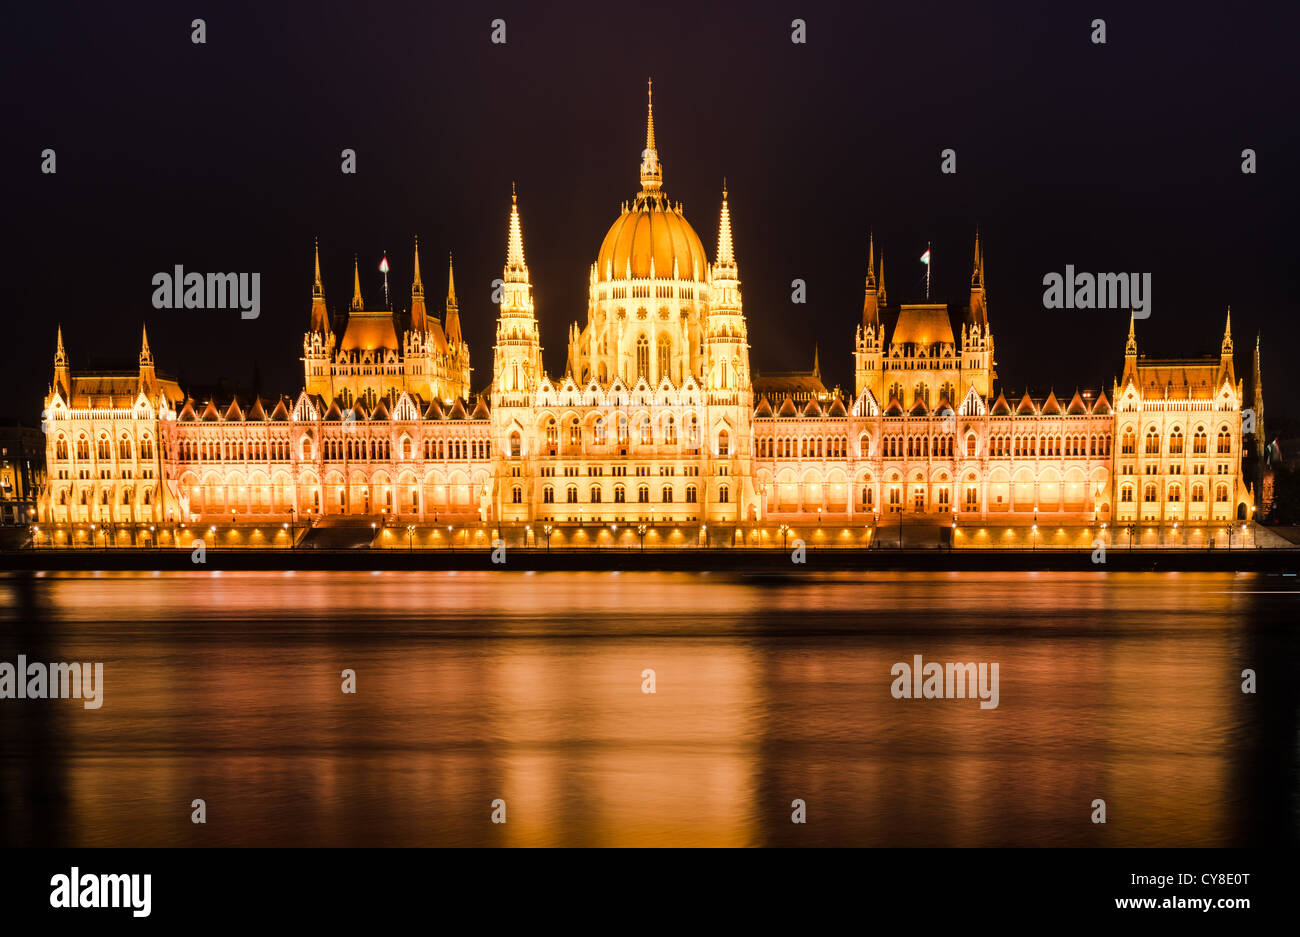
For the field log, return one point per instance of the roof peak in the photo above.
(652, 173)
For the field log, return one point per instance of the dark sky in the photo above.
(225, 157)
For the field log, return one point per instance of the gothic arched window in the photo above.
(643, 357)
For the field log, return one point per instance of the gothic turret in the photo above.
(419, 313)
(517, 363)
(148, 382)
(320, 317)
(453, 310)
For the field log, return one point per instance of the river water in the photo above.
(528, 688)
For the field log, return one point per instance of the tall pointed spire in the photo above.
(1131, 346)
(881, 293)
(726, 247)
(650, 114)
(871, 293)
(453, 313)
(320, 318)
(148, 379)
(817, 364)
(419, 313)
(357, 303)
(62, 375)
(979, 315)
(1227, 372)
(652, 175)
(516, 267)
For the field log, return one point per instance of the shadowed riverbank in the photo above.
(1282, 562)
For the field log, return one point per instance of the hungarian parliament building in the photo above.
(655, 420)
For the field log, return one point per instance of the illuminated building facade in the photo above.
(657, 418)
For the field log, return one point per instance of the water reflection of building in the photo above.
(657, 418)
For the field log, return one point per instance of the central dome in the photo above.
(652, 233)
(651, 228)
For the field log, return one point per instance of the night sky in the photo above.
(225, 157)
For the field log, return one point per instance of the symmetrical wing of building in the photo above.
(656, 418)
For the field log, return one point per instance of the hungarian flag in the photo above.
(925, 258)
(383, 264)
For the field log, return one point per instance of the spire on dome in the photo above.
(652, 174)
(451, 282)
(60, 354)
(977, 271)
(650, 115)
(1227, 335)
(146, 356)
(1131, 346)
(357, 303)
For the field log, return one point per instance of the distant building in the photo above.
(22, 472)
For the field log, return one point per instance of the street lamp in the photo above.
(640, 529)
(548, 529)
(451, 540)
(410, 538)
(784, 530)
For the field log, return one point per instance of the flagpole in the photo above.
(927, 273)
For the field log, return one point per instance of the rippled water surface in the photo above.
(473, 687)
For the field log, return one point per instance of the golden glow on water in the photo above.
(477, 686)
